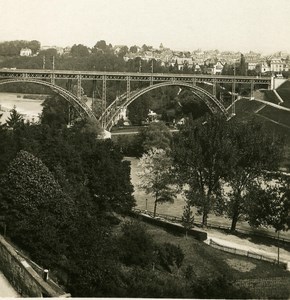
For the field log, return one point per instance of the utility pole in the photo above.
(234, 90)
(43, 62)
(53, 62)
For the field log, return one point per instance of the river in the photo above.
(29, 108)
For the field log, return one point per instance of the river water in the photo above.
(29, 108)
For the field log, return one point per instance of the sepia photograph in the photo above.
(145, 149)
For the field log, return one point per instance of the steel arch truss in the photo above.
(77, 103)
(112, 111)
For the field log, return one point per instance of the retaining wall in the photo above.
(173, 227)
(22, 276)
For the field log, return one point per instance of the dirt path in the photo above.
(234, 241)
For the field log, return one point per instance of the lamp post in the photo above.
(278, 254)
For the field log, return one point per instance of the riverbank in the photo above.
(146, 202)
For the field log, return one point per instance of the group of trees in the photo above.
(60, 188)
(223, 167)
(62, 193)
(12, 48)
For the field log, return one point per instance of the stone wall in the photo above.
(23, 277)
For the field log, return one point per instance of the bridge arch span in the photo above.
(211, 101)
(81, 107)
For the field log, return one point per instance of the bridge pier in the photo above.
(233, 107)
(79, 87)
(128, 87)
(252, 89)
(214, 88)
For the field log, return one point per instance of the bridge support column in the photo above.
(69, 85)
(52, 78)
(194, 81)
(128, 88)
(252, 89)
(94, 96)
(79, 87)
(233, 97)
(214, 88)
(104, 97)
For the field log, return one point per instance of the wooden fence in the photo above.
(246, 253)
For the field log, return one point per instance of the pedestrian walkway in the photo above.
(234, 241)
(6, 290)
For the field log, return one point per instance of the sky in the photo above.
(234, 25)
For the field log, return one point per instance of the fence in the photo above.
(246, 253)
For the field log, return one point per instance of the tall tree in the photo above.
(268, 204)
(156, 177)
(37, 211)
(202, 155)
(15, 119)
(243, 66)
(254, 152)
(187, 219)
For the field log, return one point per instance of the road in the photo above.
(6, 290)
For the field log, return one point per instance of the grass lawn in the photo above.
(207, 261)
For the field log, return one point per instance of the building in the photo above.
(276, 65)
(25, 52)
(182, 62)
(213, 66)
(264, 67)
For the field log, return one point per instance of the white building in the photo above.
(25, 52)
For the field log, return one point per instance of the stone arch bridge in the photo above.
(109, 113)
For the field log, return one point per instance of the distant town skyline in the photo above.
(227, 25)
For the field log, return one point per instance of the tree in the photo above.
(36, 210)
(156, 135)
(34, 46)
(146, 48)
(169, 256)
(135, 245)
(55, 112)
(155, 176)
(123, 51)
(187, 218)
(107, 175)
(101, 46)
(202, 154)
(133, 49)
(269, 205)
(15, 119)
(254, 150)
(79, 51)
(243, 66)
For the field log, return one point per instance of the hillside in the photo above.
(277, 121)
(284, 93)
